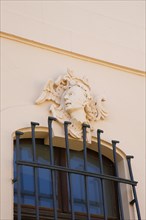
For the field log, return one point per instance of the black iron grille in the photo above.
(38, 213)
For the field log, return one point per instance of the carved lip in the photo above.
(69, 103)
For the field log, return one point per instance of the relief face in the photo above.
(72, 101)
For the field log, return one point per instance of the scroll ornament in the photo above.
(71, 100)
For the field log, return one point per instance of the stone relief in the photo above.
(71, 100)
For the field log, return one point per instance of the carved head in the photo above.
(72, 100)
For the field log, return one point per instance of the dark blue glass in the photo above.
(94, 184)
(27, 174)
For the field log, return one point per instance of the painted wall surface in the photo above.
(113, 31)
(110, 31)
(26, 69)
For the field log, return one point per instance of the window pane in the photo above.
(45, 187)
(78, 192)
(95, 196)
(78, 183)
(94, 184)
(27, 174)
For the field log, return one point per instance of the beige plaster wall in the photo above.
(25, 70)
(113, 31)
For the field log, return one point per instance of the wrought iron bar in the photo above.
(118, 184)
(101, 172)
(50, 119)
(66, 123)
(85, 126)
(84, 173)
(18, 134)
(35, 170)
(135, 200)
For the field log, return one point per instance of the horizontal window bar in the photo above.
(80, 172)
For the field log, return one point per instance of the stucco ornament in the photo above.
(71, 100)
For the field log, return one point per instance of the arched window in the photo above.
(63, 203)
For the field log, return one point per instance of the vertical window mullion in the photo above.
(64, 183)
